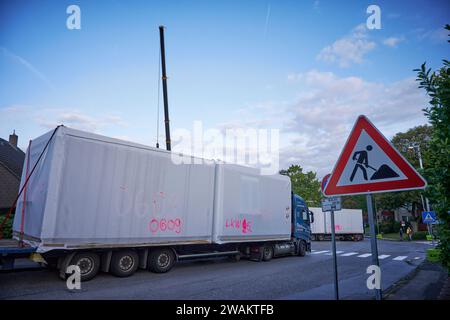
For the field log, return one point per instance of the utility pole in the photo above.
(164, 81)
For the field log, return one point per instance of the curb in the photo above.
(392, 288)
(445, 291)
(387, 239)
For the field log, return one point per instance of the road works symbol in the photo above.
(369, 163)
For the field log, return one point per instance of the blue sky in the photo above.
(308, 68)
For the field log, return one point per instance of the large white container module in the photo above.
(93, 191)
(347, 221)
(249, 206)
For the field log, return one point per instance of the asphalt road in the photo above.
(309, 277)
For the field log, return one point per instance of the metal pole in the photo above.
(427, 204)
(373, 240)
(333, 241)
(164, 81)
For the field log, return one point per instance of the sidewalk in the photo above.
(430, 281)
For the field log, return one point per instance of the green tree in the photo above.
(409, 144)
(305, 185)
(437, 171)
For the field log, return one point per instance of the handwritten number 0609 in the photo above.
(163, 225)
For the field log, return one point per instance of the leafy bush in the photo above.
(7, 229)
(390, 227)
(419, 235)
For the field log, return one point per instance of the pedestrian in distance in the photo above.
(409, 232)
(401, 233)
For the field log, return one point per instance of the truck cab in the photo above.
(301, 221)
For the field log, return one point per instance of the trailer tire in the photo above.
(236, 257)
(89, 264)
(267, 253)
(124, 263)
(301, 248)
(161, 260)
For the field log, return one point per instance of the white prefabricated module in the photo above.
(249, 206)
(93, 191)
(347, 221)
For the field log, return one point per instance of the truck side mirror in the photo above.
(311, 216)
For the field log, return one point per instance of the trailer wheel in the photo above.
(124, 263)
(89, 264)
(161, 260)
(267, 253)
(236, 257)
(301, 248)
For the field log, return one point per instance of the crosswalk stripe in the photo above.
(383, 256)
(331, 253)
(348, 254)
(365, 255)
(318, 252)
(400, 258)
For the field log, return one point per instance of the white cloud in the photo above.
(50, 118)
(323, 117)
(349, 49)
(392, 41)
(315, 126)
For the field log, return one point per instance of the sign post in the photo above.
(369, 164)
(429, 218)
(332, 204)
(373, 239)
(333, 241)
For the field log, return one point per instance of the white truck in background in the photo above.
(348, 224)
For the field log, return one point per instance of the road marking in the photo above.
(319, 252)
(383, 256)
(365, 255)
(417, 258)
(349, 254)
(400, 258)
(331, 253)
(313, 250)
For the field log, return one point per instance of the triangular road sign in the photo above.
(370, 164)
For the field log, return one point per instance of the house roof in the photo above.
(11, 157)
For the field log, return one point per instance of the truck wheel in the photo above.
(267, 253)
(301, 248)
(89, 264)
(124, 263)
(161, 260)
(236, 257)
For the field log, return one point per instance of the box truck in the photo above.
(348, 224)
(116, 206)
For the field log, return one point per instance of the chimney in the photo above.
(13, 138)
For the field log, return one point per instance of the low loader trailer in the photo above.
(109, 205)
